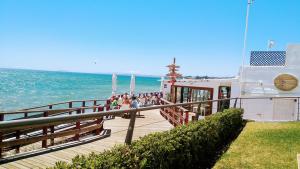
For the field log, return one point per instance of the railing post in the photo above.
(98, 121)
(181, 117)
(162, 109)
(70, 106)
(1, 119)
(107, 105)
(18, 133)
(95, 104)
(1, 142)
(198, 111)
(129, 134)
(240, 103)
(45, 131)
(83, 105)
(186, 117)
(52, 139)
(298, 109)
(235, 102)
(173, 116)
(168, 114)
(26, 115)
(77, 125)
(100, 108)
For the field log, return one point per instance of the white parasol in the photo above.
(162, 84)
(132, 84)
(114, 84)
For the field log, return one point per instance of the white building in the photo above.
(270, 76)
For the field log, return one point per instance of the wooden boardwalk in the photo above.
(152, 122)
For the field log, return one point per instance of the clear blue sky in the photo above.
(205, 36)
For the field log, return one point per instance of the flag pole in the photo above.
(245, 46)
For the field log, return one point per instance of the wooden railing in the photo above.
(17, 133)
(66, 130)
(25, 113)
(175, 115)
(34, 112)
(21, 132)
(56, 133)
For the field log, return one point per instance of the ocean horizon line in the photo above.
(70, 71)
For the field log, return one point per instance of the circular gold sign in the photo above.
(286, 82)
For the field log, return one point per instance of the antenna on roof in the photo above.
(271, 44)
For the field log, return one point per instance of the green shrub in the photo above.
(197, 145)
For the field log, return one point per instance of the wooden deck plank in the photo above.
(47, 160)
(33, 164)
(19, 166)
(25, 164)
(78, 150)
(64, 153)
(70, 151)
(37, 162)
(10, 166)
(153, 122)
(91, 148)
(55, 158)
(29, 163)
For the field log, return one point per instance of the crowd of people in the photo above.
(126, 101)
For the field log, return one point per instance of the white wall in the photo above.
(166, 90)
(258, 81)
(293, 55)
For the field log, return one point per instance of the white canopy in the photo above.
(162, 84)
(132, 84)
(114, 84)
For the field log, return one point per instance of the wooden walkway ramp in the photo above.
(152, 122)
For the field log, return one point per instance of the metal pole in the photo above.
(198, 112)
(234, 106)
(245, 46)
(45, 132)
(129, 134)
(240, 103)
(298, 109)
(1, 137)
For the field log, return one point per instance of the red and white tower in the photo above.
(173, 69)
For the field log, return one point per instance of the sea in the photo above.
(21, 89)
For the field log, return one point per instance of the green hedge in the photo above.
(197, 145)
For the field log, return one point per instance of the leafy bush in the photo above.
(197, 145)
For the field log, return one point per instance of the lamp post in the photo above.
(245, 45)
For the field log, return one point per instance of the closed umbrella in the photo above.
(132, 84)
(162, 84)
(114, 84)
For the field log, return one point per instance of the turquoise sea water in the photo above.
(28, 88)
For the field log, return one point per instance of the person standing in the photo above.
(134, 103)
(114, 104)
